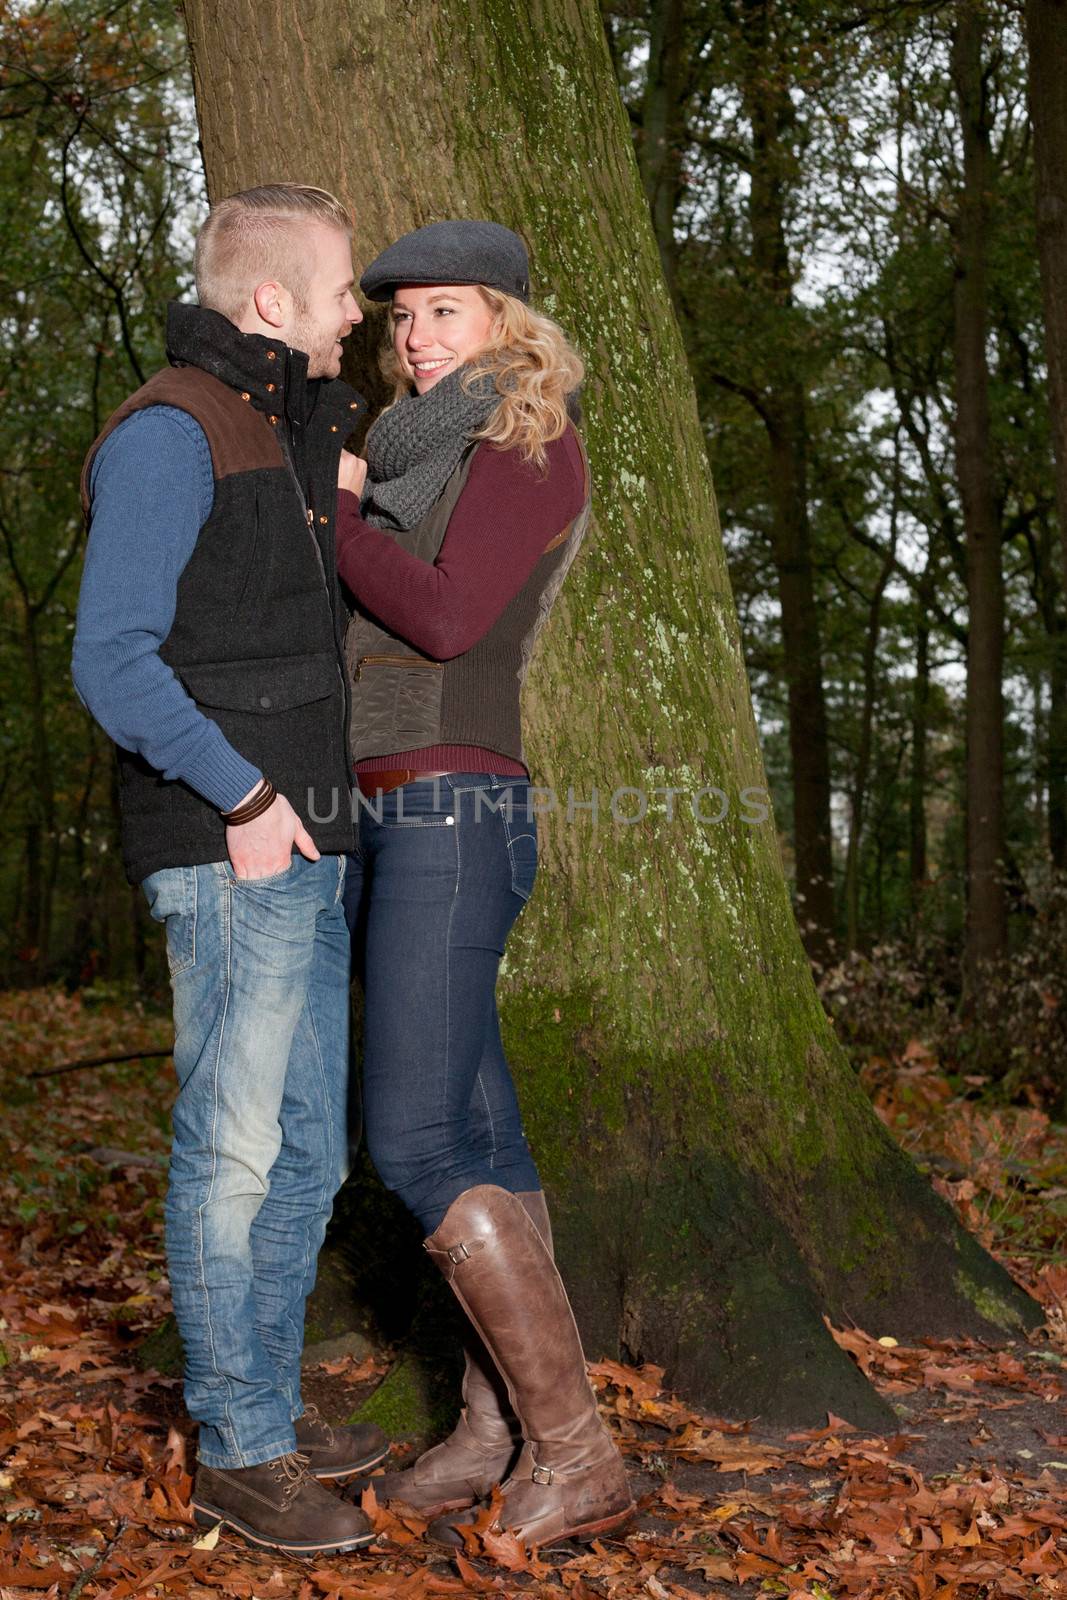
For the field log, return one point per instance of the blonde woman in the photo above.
(475, 497)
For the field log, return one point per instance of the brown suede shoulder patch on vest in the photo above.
(240, 437)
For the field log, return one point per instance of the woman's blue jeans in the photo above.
(260, 972)
(443, 868)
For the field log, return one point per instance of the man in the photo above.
(208, 645)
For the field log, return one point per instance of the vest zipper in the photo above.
(396, 661)
(288, 449)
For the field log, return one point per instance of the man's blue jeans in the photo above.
(259, 970)
(443, 869)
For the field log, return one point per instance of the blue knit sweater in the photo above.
(152, 491)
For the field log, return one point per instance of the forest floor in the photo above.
(968, 1501)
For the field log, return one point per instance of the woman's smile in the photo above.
(422, 368)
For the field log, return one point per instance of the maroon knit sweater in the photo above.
(507, 514)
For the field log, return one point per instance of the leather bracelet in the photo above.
(261, 800)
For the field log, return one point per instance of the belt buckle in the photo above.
(457, 1253)
(543, 1475)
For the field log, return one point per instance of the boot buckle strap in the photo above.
(454, 1255)
(543, 1475)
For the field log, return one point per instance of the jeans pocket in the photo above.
(522, 853)
(269, 881)
(423, 804)
(171, 896)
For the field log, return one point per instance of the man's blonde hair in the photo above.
(252, 237)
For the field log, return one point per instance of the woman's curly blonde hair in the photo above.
(534, 367)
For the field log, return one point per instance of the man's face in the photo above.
(329, 309)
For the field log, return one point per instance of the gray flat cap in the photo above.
(452, 252)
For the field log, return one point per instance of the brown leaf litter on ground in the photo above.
(968, 1501)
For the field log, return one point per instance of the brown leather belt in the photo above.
(385, 782)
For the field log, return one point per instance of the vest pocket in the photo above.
(263, 686)
(285, 716)
(396, 704)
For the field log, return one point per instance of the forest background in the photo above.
(846, 205)
(860, 215)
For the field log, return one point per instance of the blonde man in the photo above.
(208, 647)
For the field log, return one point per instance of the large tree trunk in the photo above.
(1046, 38)
(718, 1179)
(986, 906)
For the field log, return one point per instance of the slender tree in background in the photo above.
(783, 409)
(664, 121)
(718, 1177)
(862, 776)
(986, 907)
(1046, 35)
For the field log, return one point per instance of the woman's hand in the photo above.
(351, 473)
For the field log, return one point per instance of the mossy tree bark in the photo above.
(719, 1181)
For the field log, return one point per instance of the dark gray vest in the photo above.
(403, 700)
(257, 639)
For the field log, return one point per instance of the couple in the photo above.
(230, 537)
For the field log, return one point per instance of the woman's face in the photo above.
(436, 327)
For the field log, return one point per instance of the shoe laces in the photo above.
(291, 1471)
(312, 1415)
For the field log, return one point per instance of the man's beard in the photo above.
(317, 345)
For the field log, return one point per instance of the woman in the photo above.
(475, 501)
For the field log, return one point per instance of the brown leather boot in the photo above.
(569, 1481)
(279, 1506)
(476, 1456)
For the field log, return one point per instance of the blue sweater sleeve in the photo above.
(152, 490)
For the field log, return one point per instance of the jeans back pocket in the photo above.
(521, 835)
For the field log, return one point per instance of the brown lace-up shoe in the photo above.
(338, 1452)
(279, 1506)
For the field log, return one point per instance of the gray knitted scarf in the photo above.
(414, 448)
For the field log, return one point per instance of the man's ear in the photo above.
(272, 303)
